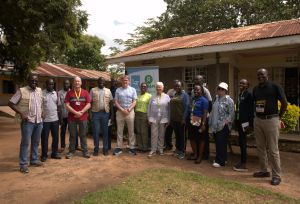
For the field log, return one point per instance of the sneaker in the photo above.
(275, 181)
(261, 174)
(132, 151)
(216, 165)
(240, 167)
(180, 155)
(152, 153)
(36, 164)
(24, 170)
(175, 153)
(117, 151)
(161, 152)
(69, 155)
(86, 155)
(95, 153)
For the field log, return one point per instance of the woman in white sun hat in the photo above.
(220, 122)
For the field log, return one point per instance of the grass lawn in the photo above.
(173, 186)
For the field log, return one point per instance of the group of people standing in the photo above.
(151, 120)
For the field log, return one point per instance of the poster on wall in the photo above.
(138, 75)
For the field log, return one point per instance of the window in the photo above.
(190, 73)
(8, 87)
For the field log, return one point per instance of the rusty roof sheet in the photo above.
(61, 70)
(234, 35)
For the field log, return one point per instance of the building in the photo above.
(58, 72)
(226, 55)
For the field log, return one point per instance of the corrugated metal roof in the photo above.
(234, 35)
(61, 70)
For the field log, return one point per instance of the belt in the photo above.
(265, 117)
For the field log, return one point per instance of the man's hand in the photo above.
(24, 117)
(78, 114)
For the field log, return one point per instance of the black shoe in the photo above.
(105, 153)
(56, 156)
(37, 164)
(24, 170)
(86, 155)
(261, 174)
(132, 151)
(95, 153)
(69, 155)
(43, 159)
(275, 181)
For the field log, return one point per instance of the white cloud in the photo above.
(111, 19)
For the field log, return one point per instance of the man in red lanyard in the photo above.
(77, 103)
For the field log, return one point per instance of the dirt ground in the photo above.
(62, 181)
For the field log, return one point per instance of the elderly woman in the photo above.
(220, 122)
(141, 120)
(199, 109)
(158, 117)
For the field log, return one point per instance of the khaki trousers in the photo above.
(141, 127)
(267, 135)
(129, 119)
(157, 135)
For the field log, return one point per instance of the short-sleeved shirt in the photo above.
(266, 98)
(125, 96)
(76, 104)
(142, 103)
(101, 98)
(61, 102)
(35, 109)
(199, 105)
(50, 106)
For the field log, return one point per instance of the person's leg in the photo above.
(242, 143)
(35, 140)
(221, 145)
(104, 127)
(200, 141)
(96, 130)
(82, 134)
(54, 132)
(176, 129)
(168, 137)
(272, 135)
(154, 136)
(120, 128)
(161, 136)
(206, 141)
(73, 134)
(44, 140)
(138, 127)
(192, 137)
(261, 143)
(63, 130)
(144, 132)
(26, 132)
(130, 126)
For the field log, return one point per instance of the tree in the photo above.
(30, 30)
(86, 53)
(187, 17)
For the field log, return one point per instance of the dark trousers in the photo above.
(47, 127)
(168, 137)
(100, 123)
(242, 142)
(73, 128)
(63, 130)
(206, 141)
(221, 139)
(180, 136)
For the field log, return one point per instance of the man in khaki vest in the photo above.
(27, 103)
(101, 98)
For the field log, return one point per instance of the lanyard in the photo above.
(78, 96)
(158, 102)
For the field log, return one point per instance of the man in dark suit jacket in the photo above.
(244, 120)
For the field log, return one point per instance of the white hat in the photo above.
(223, 85)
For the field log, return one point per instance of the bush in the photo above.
(290, 117)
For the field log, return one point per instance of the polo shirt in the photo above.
(84, 99)
(266, 98)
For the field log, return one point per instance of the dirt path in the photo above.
(61, 181)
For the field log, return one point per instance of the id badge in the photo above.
(77, 103)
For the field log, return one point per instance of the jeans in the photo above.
(221, 139)
(30, 132)
(82, 134)
(242, 142)
(47, 127)
(180, 136)
(100, 121)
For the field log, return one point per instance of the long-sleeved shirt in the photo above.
(158, 108)
(179, 107)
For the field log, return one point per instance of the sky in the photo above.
(112, 19)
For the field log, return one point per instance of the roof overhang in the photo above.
(248, 45)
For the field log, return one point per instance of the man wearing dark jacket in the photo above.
(243, 120)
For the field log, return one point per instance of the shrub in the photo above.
(290, 117)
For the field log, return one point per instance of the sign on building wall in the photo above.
(138, 75)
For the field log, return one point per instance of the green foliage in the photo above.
(187, 17)
(30, 30)
(86, 53)
(290, 117)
